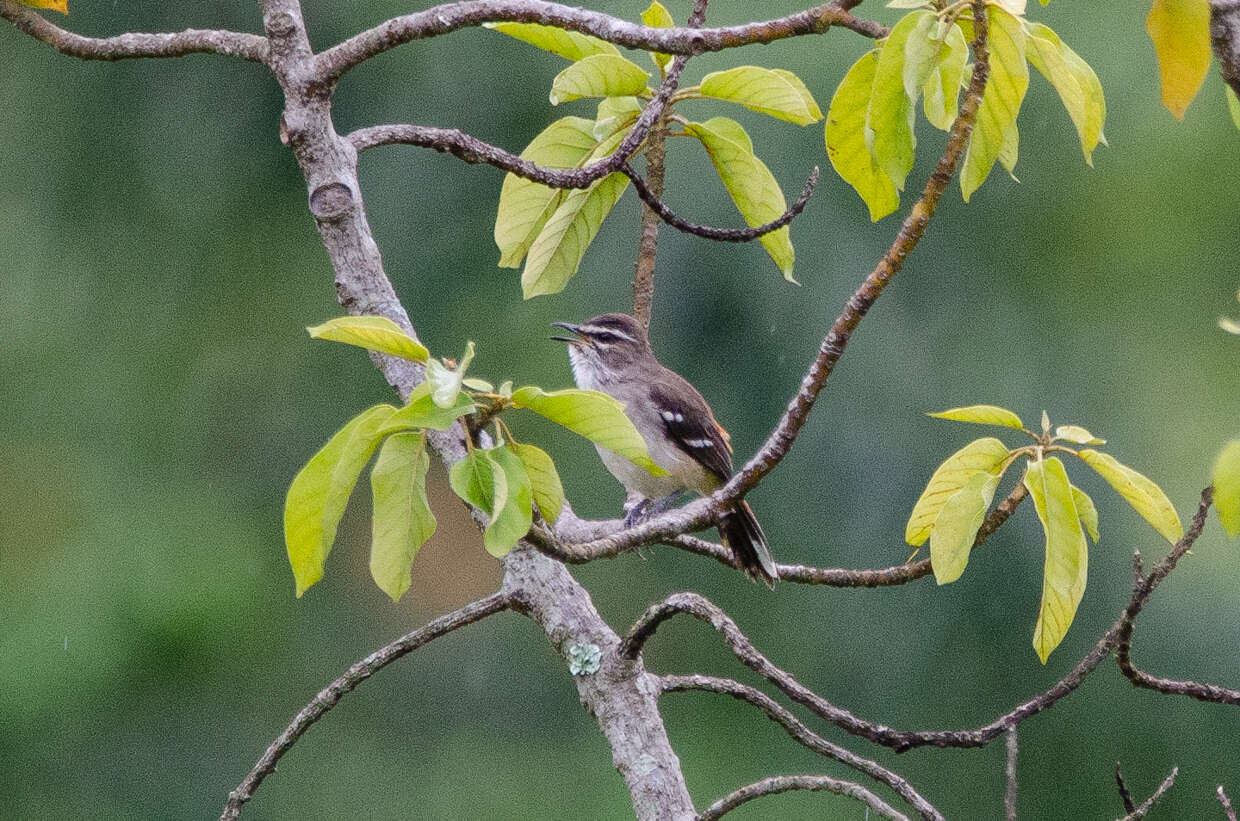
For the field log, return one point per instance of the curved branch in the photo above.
(719, 234)
(687, 41)
(786, 783)
(1226, 802)
(704, 610)
(252, 47)
(1144, 808)
(330, 695)
(801, 734)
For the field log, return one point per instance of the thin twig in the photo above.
(1124, 795)
(652, 201)
(1148, 804)
(330, 695)
(802, 734)
(786, 783)
(333, 63)
(1009, 771)
(1226, 802)
(702, 609)
(132, 45)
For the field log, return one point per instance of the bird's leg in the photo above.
(636, 511)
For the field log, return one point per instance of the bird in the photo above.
(611, 353)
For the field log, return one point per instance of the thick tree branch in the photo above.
(776, 784)
(741, 647)
(1145, 806)
(330, 695)
(132, 45)
(802, 734)
(1225, 38)
(1009, 775)
(687, 41)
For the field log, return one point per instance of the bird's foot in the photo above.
(637, 513)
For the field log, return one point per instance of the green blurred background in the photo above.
(159, 392)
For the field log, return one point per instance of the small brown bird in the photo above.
(611, 353)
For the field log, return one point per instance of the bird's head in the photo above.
(604, 346)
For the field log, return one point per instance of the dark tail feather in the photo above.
(741, 532)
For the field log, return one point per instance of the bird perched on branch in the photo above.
(611, 353)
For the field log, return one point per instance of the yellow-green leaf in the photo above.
(749, 182)
(1180, 30)
(596, 416)
(1145, 497)
(421, 412)
(1077, 435)
(1067, 553)
(1016, 7)
(61, 6)
(544, 479)
(511, 520)
(1005, 91)
(955, 528)
(984, 455)
(569, 44)
(803, 90)
(374, 333)
(1086, 511)
(561, 243)
(402, 520)
(445, 382)
(763, 90)
(889, 118)
(320, 491)
(982, 415)
(599, 75)
(1073, 80)
(1227, 487)
(846, 140)
(657, 16)
(473, 479)
(941, 89)
(1233, 104)
(524, 205)
(615, 113)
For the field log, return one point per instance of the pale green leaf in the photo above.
(1009, 150)
(955, 528)
(559, 248)
(907, 4)
(402, 520)
(657, 16)
(1086, 511)
(596, 416)
(524, 205)
(544, 479)
(1016, 7)
(750, 183)
(61, 6)
(984, 455)
(1180, 30)
(803, 90)
(941, 90)
(1080, 97)
(1077, 435)
(889, 118)
(320, 491)
(762, 90)
(569, 44)
(445, 382)
(846, 141)
(1233, 104)
(1231, 326)
(600, 75)
(982, 415)
(374, 333)
(511, 520)
(614, 114)
(1005, 91)
(421, 412)
(476, 384)
(1145, 497)
(473, 479)
(1227, 487)
(1067, 553)
(921, 54)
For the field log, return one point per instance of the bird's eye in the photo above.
(606, 336)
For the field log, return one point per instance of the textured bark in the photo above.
(1225, 37)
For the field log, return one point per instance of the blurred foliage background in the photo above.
(159, 392)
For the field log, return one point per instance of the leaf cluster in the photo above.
(955, 502)
(506, 481)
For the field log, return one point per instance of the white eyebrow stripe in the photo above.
(597, 329)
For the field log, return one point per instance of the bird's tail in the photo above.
(740, 531)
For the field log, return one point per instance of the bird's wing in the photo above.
(690, 424)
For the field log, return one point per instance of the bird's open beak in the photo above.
(571, 328)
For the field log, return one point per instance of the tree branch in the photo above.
(1225, 38)
(1125, 796)
(1009, 772)
(448, 17)
(785, 783)
(1226, 802)
(330, 695)
(1148, 804)
(132, 45)
(802, 734)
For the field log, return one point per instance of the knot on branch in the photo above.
(279, 24)
(331, 201)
